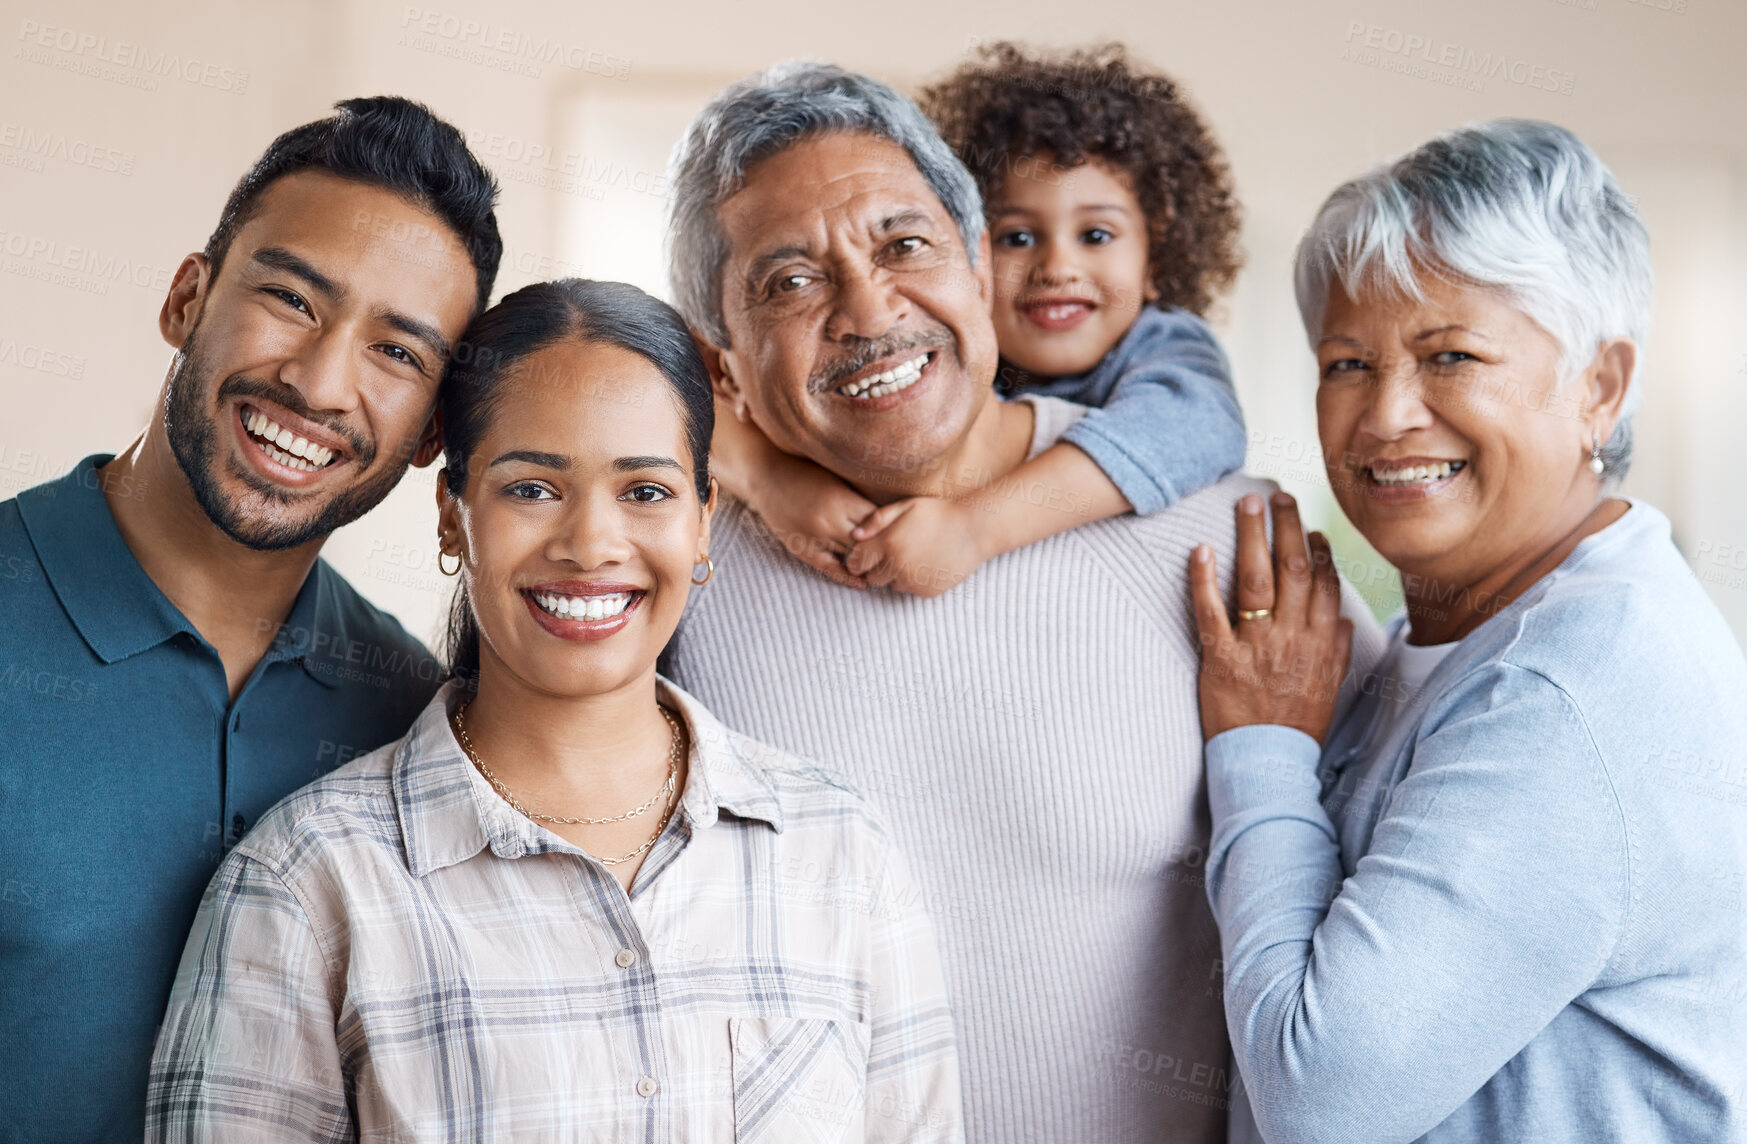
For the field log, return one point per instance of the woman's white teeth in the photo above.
(1416, 474)
(583, 607)
(286, 447)
(880, 384)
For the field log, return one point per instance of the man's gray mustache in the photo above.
(835, 373)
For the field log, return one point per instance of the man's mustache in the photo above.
(866, 351)
(363, 449)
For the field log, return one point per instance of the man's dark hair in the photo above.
(389, 142)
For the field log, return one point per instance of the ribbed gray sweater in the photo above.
(1033, 738)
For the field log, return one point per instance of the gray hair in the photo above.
(762, 116)
(1516, 205)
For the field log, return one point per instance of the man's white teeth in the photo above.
(288, 460)
(583, 607)
(285, 446)
(1416, 474)
(880, 384)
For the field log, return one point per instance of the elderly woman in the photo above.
(1499, 896)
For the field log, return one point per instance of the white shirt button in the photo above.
(646, 1086)
(626, 958)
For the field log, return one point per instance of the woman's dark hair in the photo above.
(389, 142)
(1091, 104)
(532, 318)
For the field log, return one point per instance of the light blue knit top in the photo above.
(1521, 913)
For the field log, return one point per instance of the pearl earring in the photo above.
(1596, 464)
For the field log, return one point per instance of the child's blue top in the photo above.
(1165, 420)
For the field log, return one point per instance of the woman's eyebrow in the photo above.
(1478, 334)
(630, 464)
(544, 460)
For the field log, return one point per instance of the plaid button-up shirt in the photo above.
(395, 954)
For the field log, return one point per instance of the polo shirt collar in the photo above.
(315, 616)
(115, 607)
(110, 600)
(449, 812)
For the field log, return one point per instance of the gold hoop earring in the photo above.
(445, 571)
(709, 570)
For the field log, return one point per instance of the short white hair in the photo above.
(1515, 205)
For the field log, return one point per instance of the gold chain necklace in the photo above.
(664, 794)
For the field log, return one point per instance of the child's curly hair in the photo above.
(1091, 104)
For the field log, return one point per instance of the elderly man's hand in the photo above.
(919, 545)
(1282, 659)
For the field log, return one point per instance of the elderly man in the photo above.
(1032, 734)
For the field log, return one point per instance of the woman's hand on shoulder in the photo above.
(1281, 657)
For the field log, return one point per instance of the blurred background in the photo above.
(123, 126)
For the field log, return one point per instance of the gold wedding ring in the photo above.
(1254, 613)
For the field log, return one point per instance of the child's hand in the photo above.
(812, 511)
(920, 545)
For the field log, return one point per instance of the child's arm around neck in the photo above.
(1169, 425)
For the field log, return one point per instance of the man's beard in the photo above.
(193, 434)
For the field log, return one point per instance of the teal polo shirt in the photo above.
(126, 772)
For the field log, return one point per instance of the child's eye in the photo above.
(1016, 239)
(1097, 236)
(530, 491)
(638, 494)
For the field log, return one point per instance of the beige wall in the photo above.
(148, 113)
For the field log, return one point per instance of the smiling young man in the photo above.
(202, 662)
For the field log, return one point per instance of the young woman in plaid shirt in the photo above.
(569, 904)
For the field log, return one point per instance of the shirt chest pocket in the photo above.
(798, 1080)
